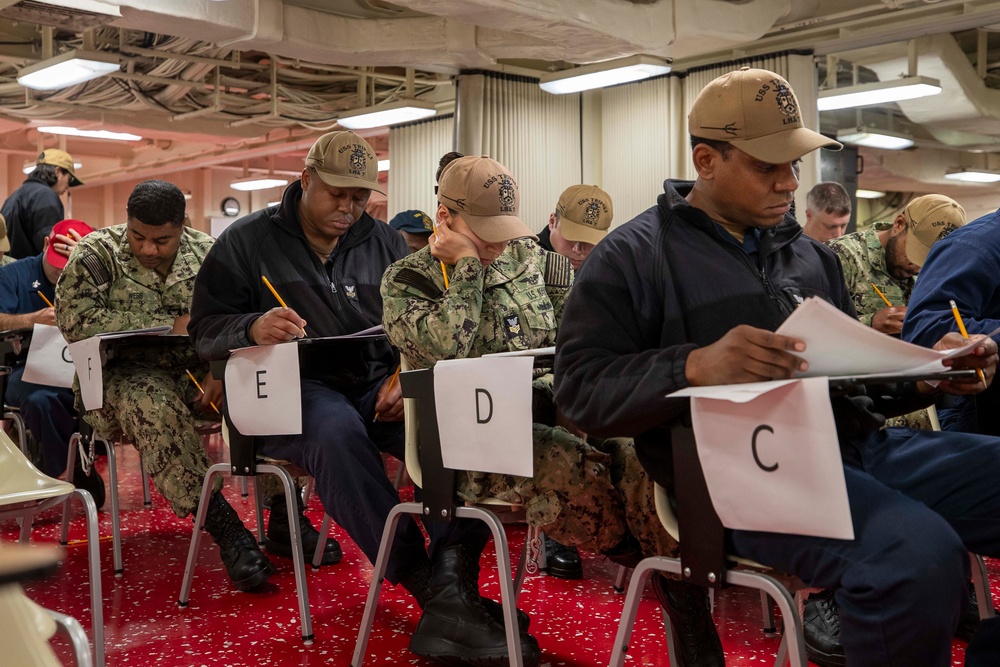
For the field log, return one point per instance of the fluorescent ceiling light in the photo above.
(383, 165)
(600, 75)
(403, 111)
(30, 166)
(869, 194)
(878, 92)
(90, 134)
(874, 138)
(258, 182)
(68, 69)
(973, 176)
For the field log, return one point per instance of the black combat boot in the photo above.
(561, 561)
(248, 568)
(689, 609)
(92, 482)
(455, 628)
(278, 538)
(821, 629)
(470, 561)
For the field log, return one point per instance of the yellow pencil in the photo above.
(281, 302)
(46, 300)
(965, 335)
(879, 292)
(198, 384)
(392, 380)
(444, 271)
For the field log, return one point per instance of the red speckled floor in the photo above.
(574, 621)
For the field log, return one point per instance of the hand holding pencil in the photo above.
(965, 335)
(278, 325)
(389, 403)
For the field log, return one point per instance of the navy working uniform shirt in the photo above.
(20, 284)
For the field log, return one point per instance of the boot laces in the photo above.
(829, 612)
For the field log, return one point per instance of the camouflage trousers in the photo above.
(149, 406)
(581, 495)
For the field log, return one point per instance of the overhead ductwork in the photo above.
(464, 34)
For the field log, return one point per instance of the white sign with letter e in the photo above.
(263, 391)
(484, 414)
(49, 362)
(771, 457)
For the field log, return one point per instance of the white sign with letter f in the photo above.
(484, 414)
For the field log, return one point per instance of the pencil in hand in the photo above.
(879, 292)
(281, 302)
(198, 384)
(392, 380)
(965, 335)
(45, 299)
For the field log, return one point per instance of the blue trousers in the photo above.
(341, 447)
(48, 413)
(920, 500)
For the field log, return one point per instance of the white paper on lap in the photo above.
(771, 458)
(484, 414)
(263, 390)
(49, 362)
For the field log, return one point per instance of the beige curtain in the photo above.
(414, 151)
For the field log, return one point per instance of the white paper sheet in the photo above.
(839, 345)
(771, 461)
(49, 362)
(263, 390)
(86, 356)
(484, 414)
(536, 352)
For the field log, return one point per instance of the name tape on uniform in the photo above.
(49, 362)
(484, 414)
(771, 458)
(263, 390)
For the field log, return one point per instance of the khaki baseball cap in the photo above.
(344, 160)
(585, 213)
(756, 111)
(4, 241)
(58, 158)
(929, 219)
(485, 194)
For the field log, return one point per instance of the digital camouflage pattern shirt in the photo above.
(863, 260)
(515, 303)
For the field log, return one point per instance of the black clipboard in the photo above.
(845, 384)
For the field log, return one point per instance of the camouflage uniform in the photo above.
(147, 393)
(515, 304)
(863, 260)
(7, 259)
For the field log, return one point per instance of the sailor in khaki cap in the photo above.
(691, 292)
(582, 218)
(34, 208)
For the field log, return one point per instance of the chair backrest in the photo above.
(411, 422)
(20, 481)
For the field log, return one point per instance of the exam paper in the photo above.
(840, 345)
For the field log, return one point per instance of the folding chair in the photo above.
(702, 560)
(245, 462)
(425, 467)
(24, 492)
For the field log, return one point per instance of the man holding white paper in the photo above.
(25, 293)
(690, 292)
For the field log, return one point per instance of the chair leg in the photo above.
(508, 596)
(767, 612)
(298, 558)
(308, 490)
(22, 433)
(71, 628)
(793, 635)
(244, 487)
(527, 563)
(116, 520)
(620, 578)
(199, 523)
(378, 576)
(259, 504)
(981, 581)
(147, 500)
(324, 534)
(636, 587)
(94, 559)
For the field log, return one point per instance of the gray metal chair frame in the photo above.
(424, 466)
(702, 560)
